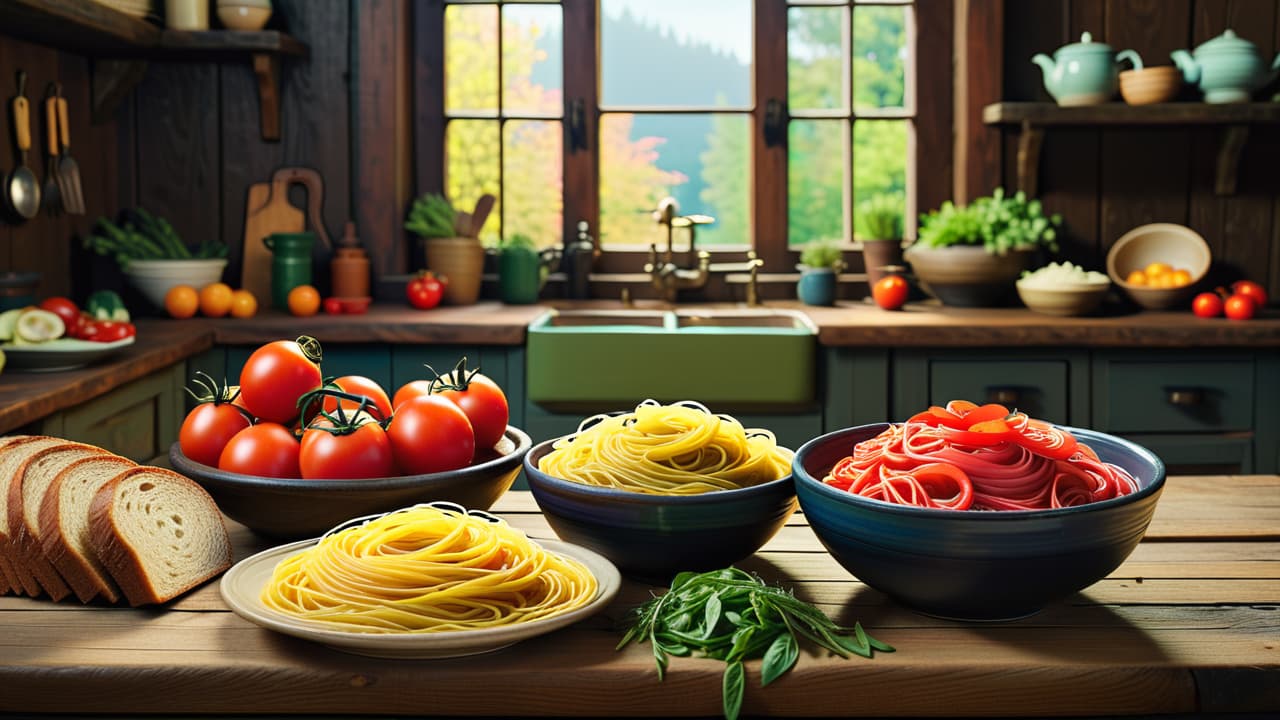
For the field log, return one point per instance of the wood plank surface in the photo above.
(1051, 114)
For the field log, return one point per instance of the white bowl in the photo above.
(1177, 245)
(1063, 300)
(154, 278)
(243, 16)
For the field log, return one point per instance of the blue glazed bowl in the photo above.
(656, 536)
(974, 565)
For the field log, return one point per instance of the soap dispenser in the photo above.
(349, 267)
(578, 259)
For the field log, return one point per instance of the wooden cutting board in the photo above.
(268, 211)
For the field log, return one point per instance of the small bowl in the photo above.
(1170, 243)
(1149, 86)
(1063, 300)
(154, 278)
(976, 565)
(354, 305)
(289, 508)
(243, 16)
(657, 536)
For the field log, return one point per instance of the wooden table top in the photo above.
(1188, 624)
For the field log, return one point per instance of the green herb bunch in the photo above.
(143, 236)
(519, 241)
(821, 254)
(732, 615)
(998, 223)
(431, 216)
(879, 217)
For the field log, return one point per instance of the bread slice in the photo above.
(64, 525)
(158, 533)
(26, 492)
(8, 580)
(12, 457)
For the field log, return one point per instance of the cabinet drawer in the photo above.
(1182, 395)
(138, 420)
(1036, 387)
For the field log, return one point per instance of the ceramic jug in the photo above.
(1227, 69)
(1083, 73)
(290, 264)
(522, 271)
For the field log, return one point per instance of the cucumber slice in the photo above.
(37, 326)
(9, 319)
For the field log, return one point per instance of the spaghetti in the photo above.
(966, 457)
(428, 568)
(678, 449)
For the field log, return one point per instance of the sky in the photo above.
(723, 24)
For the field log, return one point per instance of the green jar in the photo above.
(290, 264)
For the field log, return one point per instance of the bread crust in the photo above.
(17, 565)
(85, 580)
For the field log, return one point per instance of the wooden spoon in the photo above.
(483, 207)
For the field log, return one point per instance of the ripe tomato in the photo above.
(207, 430)
(215, 299)
(1207, 305)
(409, 391)
(1248, 288)
(890, 293)
(111, 330)
(425, 290)
(267, 450)
(1239, 307)
(360, 385)
(430, 434)
(333, 306)
(364, 452)
(276, 375)
(304, 301)
(182, 301)
(481, 399)
(65, 309)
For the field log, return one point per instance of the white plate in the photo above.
(60, 354)
(242, 589)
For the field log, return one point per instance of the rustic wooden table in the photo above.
(1190, 624)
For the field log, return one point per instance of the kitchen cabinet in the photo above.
(138, 420)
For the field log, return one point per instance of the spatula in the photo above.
(73, 199)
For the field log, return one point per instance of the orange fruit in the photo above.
(215, 299)
(304, 300)
(243, 304)
(181, 301)
(1156, 269)
(1181, 278)
(1137, 277)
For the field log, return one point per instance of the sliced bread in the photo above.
(26, 493)
(64, 525)
(8, 580)
(158, 533)
(12, 457)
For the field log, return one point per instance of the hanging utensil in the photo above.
(22, 190)
(51, 195)
(73, 193)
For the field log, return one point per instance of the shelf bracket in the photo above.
(111, 82)
(1233, 141)
(266, 67)
(1029, 142)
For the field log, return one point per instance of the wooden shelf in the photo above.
(1236, 119)
(121, 45)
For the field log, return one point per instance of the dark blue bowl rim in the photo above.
(504, 462)
(802, 477)
(602, 493)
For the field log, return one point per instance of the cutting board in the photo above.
(268, 211)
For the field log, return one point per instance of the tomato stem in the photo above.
(343, 424)
(310, 348)
(461, 377)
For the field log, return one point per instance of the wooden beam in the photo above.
(581, 118)
(934, 78)
(428, 96)
(1119, 114)
(979, 44)
(769, 157)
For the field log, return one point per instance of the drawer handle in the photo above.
(1004, 396)
(1186, 397)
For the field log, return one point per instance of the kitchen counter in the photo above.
(1187, 625)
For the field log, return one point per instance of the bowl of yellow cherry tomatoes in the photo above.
(1158, 265)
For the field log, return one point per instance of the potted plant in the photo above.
(452, 248)
(971, 255)
(820, 263)
(879, 225)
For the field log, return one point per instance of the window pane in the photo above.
(532, 69)
(471, 59)
(701, 160)
(879, 56)
(816, 196)
(532, 196)
(817, 59)
(649, 47)
(471, 169)
(879, 162)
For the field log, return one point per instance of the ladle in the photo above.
(22, 190)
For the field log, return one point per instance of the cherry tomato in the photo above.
(1239, 307)
(208, 428)
(1248, 288)
(425, 290)
(111, 331)
(360, 385)
(275, 376)
(63, 308)
(332, 306)
(890, 293)
(430, 434)
(267, 450)
(480, 398)
(364, 452)
(1207, 305)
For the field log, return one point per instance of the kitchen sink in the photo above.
(726, 358)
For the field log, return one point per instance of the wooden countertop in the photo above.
(1188, 624)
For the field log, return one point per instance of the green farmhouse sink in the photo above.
(741, 359)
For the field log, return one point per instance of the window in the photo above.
(776, 117)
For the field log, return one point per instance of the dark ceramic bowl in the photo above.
(657, 536)
(974, 565)
(287, 508)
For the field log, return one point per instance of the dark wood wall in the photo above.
(1106, 182)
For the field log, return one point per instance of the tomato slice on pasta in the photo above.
(1045, 439)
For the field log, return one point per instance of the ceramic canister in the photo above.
(290, 264)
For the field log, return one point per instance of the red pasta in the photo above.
(969, 457)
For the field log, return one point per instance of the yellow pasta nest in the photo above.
(678, 449)
(427, 569)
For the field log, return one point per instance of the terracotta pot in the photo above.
(967, 275)
(879, 254)
(461, 261)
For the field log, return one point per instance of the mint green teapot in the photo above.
(1083, 73)
(1227, 69)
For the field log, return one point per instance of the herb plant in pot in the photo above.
(879, 225)
(820, 262)
(971, 255)
(451, 247)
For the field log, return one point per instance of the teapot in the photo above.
(1083, 73)
(1227, 69)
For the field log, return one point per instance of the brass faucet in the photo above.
(668, 277)
(751, 266)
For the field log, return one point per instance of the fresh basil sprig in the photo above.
(732, 615)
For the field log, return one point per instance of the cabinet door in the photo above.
(1049, 385)
(1173, 392)
(138, 420)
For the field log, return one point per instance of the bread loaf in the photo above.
(12, 456)
(158, 533)
(64, 525)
